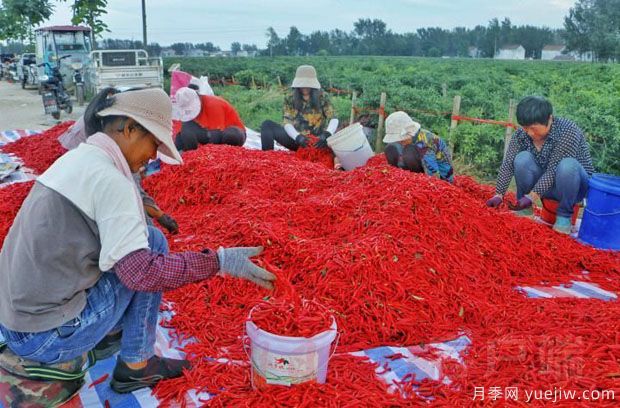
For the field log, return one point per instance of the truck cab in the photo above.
(54, 42)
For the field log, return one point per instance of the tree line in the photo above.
(372, 37)
(590, 26)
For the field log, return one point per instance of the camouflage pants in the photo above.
(17, 390)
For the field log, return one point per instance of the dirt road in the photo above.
(23, 109)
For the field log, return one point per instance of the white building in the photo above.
(473, 52)
(196, 52)
(511, 52)
(559, 53)
(551, 52)
(168, 52)
(587, 56)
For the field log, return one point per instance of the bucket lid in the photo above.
(606, 182)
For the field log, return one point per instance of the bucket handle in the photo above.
(246, 344)
(602, 215)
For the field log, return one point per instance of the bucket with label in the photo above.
(284, 360)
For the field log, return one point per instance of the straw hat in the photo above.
(152, 109)
(305, 77)
(399, 126)
(186, 104)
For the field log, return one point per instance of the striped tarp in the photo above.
(9, 136)
(22, 174)
(576, 289)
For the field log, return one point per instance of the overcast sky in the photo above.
(224, 21)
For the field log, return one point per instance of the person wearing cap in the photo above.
(80, 270)
(206, 119)
(549, 158)
(415, 149)
(307, 111)
(76, 134)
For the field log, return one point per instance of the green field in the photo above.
(587, 93)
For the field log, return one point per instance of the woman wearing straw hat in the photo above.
(415, 149)
(307, 111)
(80, 271)
(206, 119)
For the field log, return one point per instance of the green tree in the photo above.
(295, 42)
(89, 12)
(275, 46)
(594, 25)
(372, 35)
(20, 17)
(235, 47)
(208, 46)
(181, 48)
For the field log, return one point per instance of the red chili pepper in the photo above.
(396, 356)
(103, 378)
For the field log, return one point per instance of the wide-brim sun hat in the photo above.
(186, 104)
(305, 77)
(152, 109)
(399, 126)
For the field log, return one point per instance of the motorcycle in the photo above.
(55, 97)
(5, 66)
(78, 82)
(28, 70)
(13, 73)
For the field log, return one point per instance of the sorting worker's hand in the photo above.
(494, 201)
(322, 142)
(302, 140)
(523, 203)
(168, 223)
(236, 262)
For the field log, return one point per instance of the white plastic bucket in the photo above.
(351, 146)
(283, 360)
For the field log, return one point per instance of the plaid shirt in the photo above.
(147, 271)
(308, 121)
(565, 139)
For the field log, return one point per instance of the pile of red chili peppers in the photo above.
(323, 156)
(39, 151)
(398, 259)
(294, 319)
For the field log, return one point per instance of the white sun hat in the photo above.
(399, 126)
(305, 77)
(186, 104)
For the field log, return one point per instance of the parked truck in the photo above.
(123, 69)
(91, 71)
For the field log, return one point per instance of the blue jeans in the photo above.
(569, 188)
(110, 306)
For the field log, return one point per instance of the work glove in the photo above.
(301, 140)
(235, 262)
(495, 201)
(322, 142)
(168, 223)
(523, 203)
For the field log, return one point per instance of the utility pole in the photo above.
(144, 24)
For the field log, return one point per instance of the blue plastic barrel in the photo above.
(600, 226)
